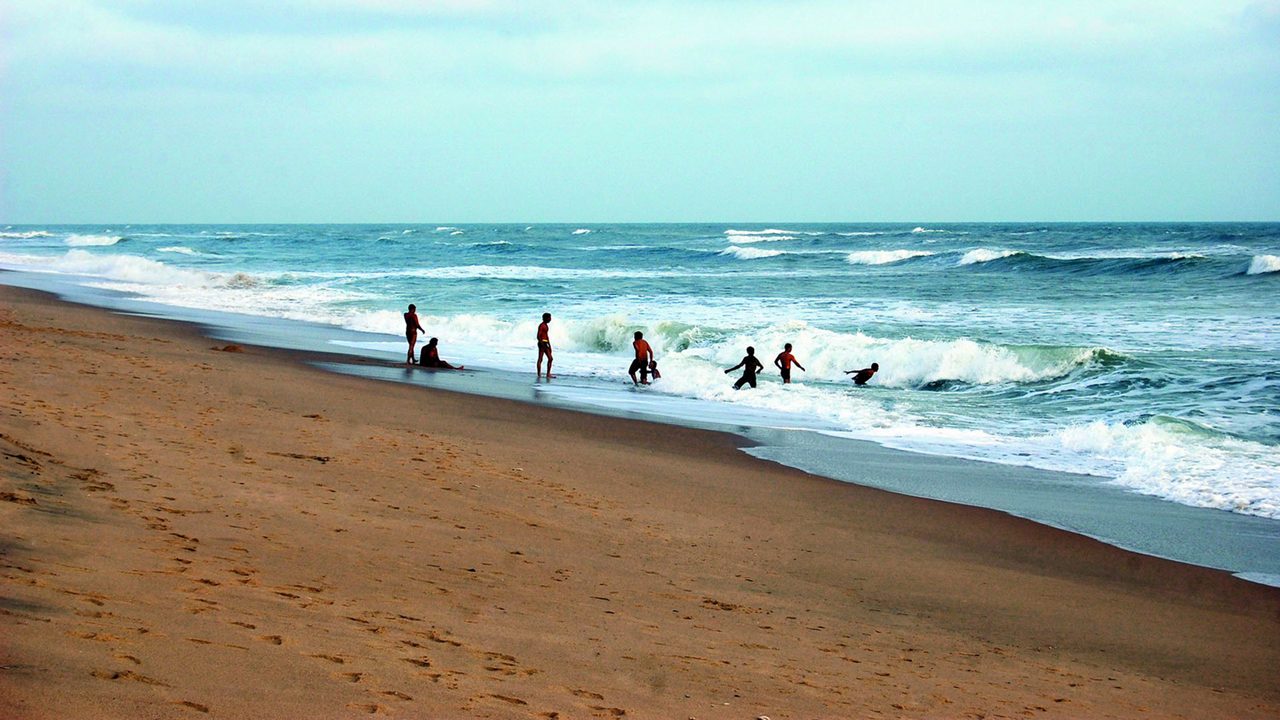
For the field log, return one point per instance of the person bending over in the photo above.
(860, 377)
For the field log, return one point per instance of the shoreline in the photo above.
(1245, 545)
(720, 565)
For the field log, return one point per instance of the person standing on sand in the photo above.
(544, 345)
(644, 356)
(860, 377)
(784, 361)
(750, 366)
(411, 329)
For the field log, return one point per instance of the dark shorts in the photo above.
(544, 347)
(786, 375)
(744, 380)
(638, 366)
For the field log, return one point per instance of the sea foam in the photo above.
(25, 235)
(1263, 264)
(883, 257)
(749, 253)
(92, 240)
(982, 255)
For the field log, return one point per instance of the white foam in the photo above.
(179, 249)
(581, 231)
(26, 235)
(883, 257)
(126, 268)
(1172, 461)
(743, 239)
(442, 228)
(92, 240)
(456, 232)
(981, 255)
(765, 233)
(1263, 264)
(860, 234)
(749, 253)
(926, 230)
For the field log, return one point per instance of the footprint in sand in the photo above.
(126, 675)
(273, 639)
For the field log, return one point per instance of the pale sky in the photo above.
(700, 110)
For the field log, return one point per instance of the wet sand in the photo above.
(196, 532)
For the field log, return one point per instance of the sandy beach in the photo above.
(189, 529)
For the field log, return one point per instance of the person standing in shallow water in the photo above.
(644, 357)
(784, 361)
(411, 329)
(750, 366)
(544, 345)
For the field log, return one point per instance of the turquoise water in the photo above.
(1146, 355)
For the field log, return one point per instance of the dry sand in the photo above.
(187, 532)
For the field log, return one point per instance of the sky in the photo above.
(638, 111)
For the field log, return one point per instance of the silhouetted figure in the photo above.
(750, 366)
(411, 329)
(644, 356)
(431, 357)
(860, 377)
(784, 361)
(544, 345)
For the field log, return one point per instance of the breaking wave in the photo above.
(25, 235)
(749, 253)
(1263, 264)
(883, 257)
(92, 240)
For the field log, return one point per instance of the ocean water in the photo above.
(1146, 355)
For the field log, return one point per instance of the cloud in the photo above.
(402, 43)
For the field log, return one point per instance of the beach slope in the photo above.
(191, 530)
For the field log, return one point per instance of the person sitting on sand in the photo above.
(784, 361)
(411, 329)
(644, 356)
(431, 357)
(750, 366)
(544, 345)
(860, 377)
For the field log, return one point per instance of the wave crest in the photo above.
(982, 255)
(883, 257)
(26, 235)
(92, 240)
(1263, 264)
(749, 253)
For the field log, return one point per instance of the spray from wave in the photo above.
(1263, 264)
